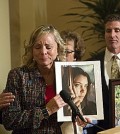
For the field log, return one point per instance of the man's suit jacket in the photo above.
(103, 123)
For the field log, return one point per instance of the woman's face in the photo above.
(70, 50)
(45, 50)
(80, 84)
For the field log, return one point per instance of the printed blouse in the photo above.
(26, 114)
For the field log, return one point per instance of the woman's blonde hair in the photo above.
(28, 55)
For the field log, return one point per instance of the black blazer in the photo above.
(103, 123)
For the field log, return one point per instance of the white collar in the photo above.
(109, 55)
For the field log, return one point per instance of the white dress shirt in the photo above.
(108, 63)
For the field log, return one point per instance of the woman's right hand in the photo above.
(5, 99)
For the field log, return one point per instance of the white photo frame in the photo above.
(92, 68)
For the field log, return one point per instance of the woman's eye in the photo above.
(48, 47)
(37, 46)
(76, 85)
(86, 86)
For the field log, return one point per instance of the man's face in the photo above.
(112, 36)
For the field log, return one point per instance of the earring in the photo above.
(58, 59)
(33, 59)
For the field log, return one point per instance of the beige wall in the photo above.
(25, 16)
(55, 10)
(4, 42)
(5, 62)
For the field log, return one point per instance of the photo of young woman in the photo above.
(78, 83)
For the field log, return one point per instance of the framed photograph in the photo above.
(83, 81)
(114, 87)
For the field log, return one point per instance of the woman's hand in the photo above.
(5, 99)
(82, 123)
(55, 104)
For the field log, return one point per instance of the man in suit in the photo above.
(112, 38)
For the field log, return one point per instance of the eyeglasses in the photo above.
(69, 51)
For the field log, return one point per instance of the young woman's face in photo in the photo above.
(80, 84)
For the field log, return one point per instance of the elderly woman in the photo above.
(75, 46)
(75, 50)
(33, 84)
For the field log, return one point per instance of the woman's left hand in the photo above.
(82, 123)
(55, 104)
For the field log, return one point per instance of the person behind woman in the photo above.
(75, 49)
(75, 46)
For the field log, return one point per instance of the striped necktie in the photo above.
(114, 68)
